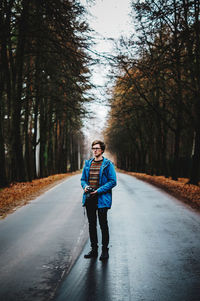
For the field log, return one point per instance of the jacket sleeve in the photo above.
(112, 180)
(84, 182)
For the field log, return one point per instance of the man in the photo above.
(98, 175)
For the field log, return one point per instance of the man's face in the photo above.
(97, 151)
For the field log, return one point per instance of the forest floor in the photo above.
(20, 194)
(187, 193)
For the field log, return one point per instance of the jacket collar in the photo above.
(105, 162)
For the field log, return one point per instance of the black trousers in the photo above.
(92, 211)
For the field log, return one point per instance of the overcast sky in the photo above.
(109, 19)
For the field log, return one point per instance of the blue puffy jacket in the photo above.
(107, 180)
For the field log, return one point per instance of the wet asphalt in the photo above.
(154, 248)
(40, 242)
(154, 251)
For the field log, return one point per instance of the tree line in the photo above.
(154, 122)
(43, 79)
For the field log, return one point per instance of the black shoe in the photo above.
(91, 254)
(104, 254)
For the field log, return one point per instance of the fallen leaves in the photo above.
(180, 189)
(20, 194)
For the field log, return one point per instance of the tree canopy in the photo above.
(154, 123)
(44, 76)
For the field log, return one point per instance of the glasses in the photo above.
(95, 148)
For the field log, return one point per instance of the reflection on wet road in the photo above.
(154, 251)
(40, 241)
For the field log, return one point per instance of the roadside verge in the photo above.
(20, 194)
(188, 193)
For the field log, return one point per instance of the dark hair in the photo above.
(102, 145)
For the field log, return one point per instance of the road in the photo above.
(40, 242)
(154, 251)
(154, 248)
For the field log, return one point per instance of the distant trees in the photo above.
(43, 77)
(154, 124)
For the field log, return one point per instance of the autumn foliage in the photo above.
(20, 194)
(154, 124)
(180, 189)
(44, 76)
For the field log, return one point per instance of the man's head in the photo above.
(98, 148)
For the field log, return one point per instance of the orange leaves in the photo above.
(20, 193)
(180, 189)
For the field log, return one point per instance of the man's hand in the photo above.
(93, 193)
(85, 189)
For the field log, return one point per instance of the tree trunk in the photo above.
(3, 178)
(18, 167)
(42, 139)
(194, 178)
(175, 166)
